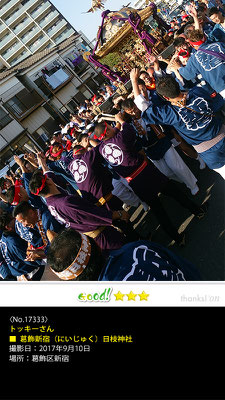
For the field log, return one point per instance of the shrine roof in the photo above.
(115, 27)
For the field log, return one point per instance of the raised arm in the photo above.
(160, 58)
(21, 164)
(134, 75)
(155, 60)
(139, 99)
(42, 162)
(31, 159)
(193, 12)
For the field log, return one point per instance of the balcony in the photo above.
(55, 28)
(64, 35)
(19, 12)
(7, 6)
(30, 35)
(36, 13)
(49, 18)
(58, 79)
(11, 51)
(3, 27)
(20, 57)
(36, 45)
(7, 39)
(24, 24)
(23, 103)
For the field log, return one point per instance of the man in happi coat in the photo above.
(14, 250)
(192, 115)
(136, 261)
(33, 225)
(95, 183)
(77, 213)
(208, 61)
(118, 148)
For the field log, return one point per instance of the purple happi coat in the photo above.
(93, 178)
(75, 212)
(122, 154)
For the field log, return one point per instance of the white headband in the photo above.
(80, 262)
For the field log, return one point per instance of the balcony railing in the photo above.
(49, 18)
(12, 51)
(20, 12)
(19, 28)
(20, 58)
(30, 35)
(3, 27)
(40, 10)
(6, 40)
(38, 44)
(7, 7)
(64, 35)
(56, 28)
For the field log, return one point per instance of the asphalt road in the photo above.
(205, 238)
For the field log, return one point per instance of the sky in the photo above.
(73, 11)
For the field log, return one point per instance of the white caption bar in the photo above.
(106, 294)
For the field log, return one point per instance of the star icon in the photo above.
(131, 296)
(119, 296)
(143, 296)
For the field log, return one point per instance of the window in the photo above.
(63, 34)
(73, 105)
(37, 8)
(5, 119)
(79, 98)
(39, 82)
(92, 85)
(41, 132)
(52, 27)
(50, 126)
(23, 2)
(77, 62)
(80, 68)
(22, 102)
(4, 38)
(46, 17)
(16, 106)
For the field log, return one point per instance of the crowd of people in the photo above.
(63, 214)
(204, 10)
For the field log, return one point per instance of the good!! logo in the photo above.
(96, 296)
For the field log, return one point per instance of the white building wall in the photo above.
(36, 119)
(9, 88)
(11, 131)
(87, 94)
(3, 143)
(65, 94)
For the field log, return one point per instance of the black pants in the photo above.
(171, 190)
(127, 229)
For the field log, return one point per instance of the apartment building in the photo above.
(40, 92)
(142, 3)
(28, 27)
